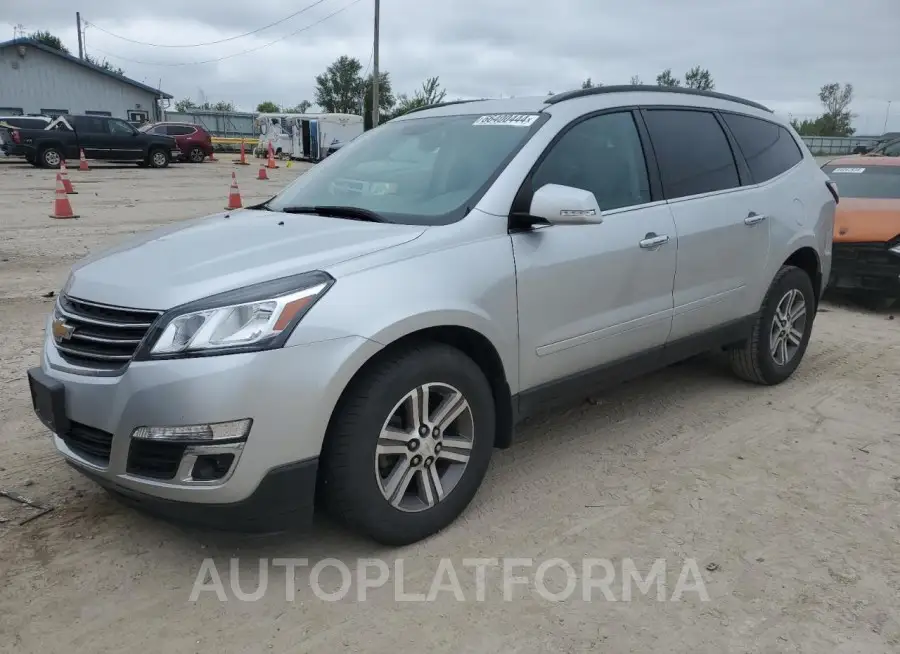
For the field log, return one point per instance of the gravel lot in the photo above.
(785, 497)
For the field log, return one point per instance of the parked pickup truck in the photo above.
(100, 137)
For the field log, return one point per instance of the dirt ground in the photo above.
(786, 498)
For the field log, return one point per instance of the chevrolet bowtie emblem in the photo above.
(62, 331)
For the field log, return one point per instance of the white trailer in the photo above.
(315, 136)
(274, 130)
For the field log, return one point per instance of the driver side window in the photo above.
(603, 155)
(893, 150)
(120, 128)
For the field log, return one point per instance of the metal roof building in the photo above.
(38, 79)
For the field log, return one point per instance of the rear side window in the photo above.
(768, 148)
(602, 155)
(87, 125)
(692, 151)
(27, 123)
(179, 130)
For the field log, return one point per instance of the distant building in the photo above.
(37, 79)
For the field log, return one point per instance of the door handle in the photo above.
(652, 241)
(754, 218)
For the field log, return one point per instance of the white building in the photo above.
(37, 79)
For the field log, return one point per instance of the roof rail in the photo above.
(628, 88)
(440, 104)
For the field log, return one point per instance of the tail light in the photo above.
(16, 137)
(833, 189)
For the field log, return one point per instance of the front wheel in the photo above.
(409, 444)
(781, 333)
(158, 158)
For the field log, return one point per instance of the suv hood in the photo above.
(189, 261)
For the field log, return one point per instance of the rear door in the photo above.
(93, 137)
(723, 238)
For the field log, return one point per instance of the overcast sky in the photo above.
(778, 52)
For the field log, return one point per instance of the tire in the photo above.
(50, 157)
(353, 487)
(157, 158)
(196, 155)
(755, 361)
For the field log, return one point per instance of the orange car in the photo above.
(866, 255)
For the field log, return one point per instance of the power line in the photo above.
(198, 45)
(236, 54)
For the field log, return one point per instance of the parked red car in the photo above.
(194, 142)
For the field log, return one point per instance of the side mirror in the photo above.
(565, 205)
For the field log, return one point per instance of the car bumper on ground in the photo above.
(868, 267)
(264, 481)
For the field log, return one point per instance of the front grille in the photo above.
(865, 265)
(154, 459)
(101, 336)
(88, 442)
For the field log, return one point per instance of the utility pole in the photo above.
(887, 115)
(375, 75)
(80, 42)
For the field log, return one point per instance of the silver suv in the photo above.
(369, 335)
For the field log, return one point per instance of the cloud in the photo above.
(775, 51)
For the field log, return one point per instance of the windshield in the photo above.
(866, 182)
(423, 171)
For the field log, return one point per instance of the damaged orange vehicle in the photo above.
(866, 254)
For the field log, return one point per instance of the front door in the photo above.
(591, 295)
(124, 143)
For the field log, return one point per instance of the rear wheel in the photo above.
(158, 158)
(409, 445)
(196, 155)
(781, 333)
(50, 157)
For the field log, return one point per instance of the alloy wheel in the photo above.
(424, 447)
(788, 327)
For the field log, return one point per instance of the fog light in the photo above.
(236, 430)
(210, 467)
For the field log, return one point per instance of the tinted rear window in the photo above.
(866, 181)
(27, 123)
(693, 152)
(768, 148)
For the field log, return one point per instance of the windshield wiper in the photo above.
(334, 211)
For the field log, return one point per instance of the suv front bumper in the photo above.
(869, 267)
(288, 393)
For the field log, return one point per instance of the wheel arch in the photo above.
(473, 344)
(807, 259)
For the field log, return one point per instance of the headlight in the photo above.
(254, 318)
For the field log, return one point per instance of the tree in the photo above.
(837, 119)
(268, 107)
(666, 78)
(48, 39)
(104, 64)
(699, 78)
(588, 84)
(430, 93)
(219, 106)
(386, 99)
(301, 108)
(185, 105)
(635, 81)
(340, 87)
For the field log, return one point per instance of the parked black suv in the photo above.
(100, 137)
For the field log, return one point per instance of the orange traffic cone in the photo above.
(243, 160)
(234, 195)
(271, 162)
(82, 163)
(212, 156)
(67, 183)
(62, 208)
(262, 173)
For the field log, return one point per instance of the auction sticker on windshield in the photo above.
(508, 120)
(848, 170)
